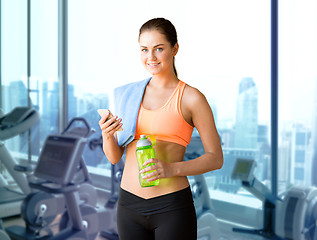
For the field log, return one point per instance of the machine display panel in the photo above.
(243, 169)
(55, 158)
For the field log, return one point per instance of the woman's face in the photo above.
(156, 52)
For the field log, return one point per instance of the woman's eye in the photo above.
(159, 49)
(144, 50)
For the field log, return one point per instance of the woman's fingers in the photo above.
(110, 126)
(103, 119)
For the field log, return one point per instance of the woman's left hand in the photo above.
(161, 169)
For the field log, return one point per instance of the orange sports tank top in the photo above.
(166, 123)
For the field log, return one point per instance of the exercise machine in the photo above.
(16, 122)
(294, 217)
(244, 170)
(61, 171)
(30, 203)
(207, 223)
(111, 231)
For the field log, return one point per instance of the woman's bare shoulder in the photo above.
(193, 96)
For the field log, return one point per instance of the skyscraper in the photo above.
(301, 155)
(314, 139)
(246, 125)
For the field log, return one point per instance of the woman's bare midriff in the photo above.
(165, 151)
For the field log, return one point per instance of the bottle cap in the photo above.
(143, 142)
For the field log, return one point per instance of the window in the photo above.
(298, 174)
(14, 64)
(224, 52)
(297, 93)
(29, 69)
(300, 156)
(44, 86)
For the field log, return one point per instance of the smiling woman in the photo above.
(158, 42)
(169, 109)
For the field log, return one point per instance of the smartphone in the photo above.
(103, 112)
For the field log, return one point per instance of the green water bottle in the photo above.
(144, 152)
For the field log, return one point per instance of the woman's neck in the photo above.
(162, 81)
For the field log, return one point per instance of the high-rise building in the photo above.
(301, 156)
(246, 125)
(314, 140)
(18, 96)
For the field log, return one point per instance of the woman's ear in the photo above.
(175, 49)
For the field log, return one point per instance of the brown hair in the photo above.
(165, 27)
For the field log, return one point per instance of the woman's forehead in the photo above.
(152, 38)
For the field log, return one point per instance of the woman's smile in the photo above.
(153, 65)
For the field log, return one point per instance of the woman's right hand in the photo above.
(110, 126)
(108, 129)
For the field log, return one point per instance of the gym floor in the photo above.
(16, 220)
(225, 230)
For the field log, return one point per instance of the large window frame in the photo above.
(99, 178)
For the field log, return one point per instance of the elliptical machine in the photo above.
(207, 223)
(111, 231)
(293, 217)
(62, 177)
(16, 122)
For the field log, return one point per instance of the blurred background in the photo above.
(65, 61)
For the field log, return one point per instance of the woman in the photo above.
(169, 109)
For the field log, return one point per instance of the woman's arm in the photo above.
(196, 105)
(110, 147)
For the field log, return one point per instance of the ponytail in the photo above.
(175, 71)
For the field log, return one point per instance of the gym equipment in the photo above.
(61, 171)
(111, 231)
(244, 170)
(16, 122)
(294, 217)
(3, 234)
(207, 223)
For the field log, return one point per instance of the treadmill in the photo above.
(16, 122)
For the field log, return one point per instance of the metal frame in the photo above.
(28, 55)
(29, 73)
(63, 63)
(274, 96)
(0, 54)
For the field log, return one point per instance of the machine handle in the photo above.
(77, 119)
(54, 189)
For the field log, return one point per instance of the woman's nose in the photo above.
(152, 55)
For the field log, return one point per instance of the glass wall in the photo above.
(14, 90)
(44, 84)
(224, 52)
(297, 93)
(29, 69)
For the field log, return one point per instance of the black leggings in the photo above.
(168, 217)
